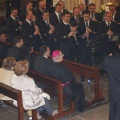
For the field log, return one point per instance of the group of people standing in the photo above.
(72, 34)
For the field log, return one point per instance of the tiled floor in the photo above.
(93, 113)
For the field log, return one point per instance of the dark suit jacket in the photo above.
(112, 66)
(44, 29)
(102, 28)
(13, 27)
(41, 64)
(54, 20)
(27, 31)
(3, 50)
(98, 17)
(74, 22)
(14, 52)
(82, 29)
(23, 14)
(67, 45)
(38, 14)
(117, 17)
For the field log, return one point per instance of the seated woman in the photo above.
(33, 97)
(6, 75)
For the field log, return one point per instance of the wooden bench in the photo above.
(86, 71)
(16, 95)
(56, 85)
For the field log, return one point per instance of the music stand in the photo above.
(93, 41)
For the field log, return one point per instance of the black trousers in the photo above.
(114, 112)
(76, 91)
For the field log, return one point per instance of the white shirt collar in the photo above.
(45, 56)
(65, 23)
(12, 17)
(107, 22)
(88, 22)
(28, 21)
(57, 14)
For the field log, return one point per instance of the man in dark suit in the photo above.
(76, 19)
(81, 9)
(40, 9)
(107, 28)
(86, 30)
(116, 14)
(9, 4)
(42, 61)
(111, 65)
(65, 35)
(15, 50)
(46, 30)
(49, 5)
(94, 15)
(55, 17)
(13, 24)
(63, 6)
(29, 7)
(31, 32)
(3, 48)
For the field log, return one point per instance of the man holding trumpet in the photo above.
(30, 31)
(48, 31)
(66, 36)
(86, 30)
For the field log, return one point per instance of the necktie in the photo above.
(113, 16)
(87, 24)
(108, 25)
(16, 19)
(92, 16)
(77, 19)
(59, 17)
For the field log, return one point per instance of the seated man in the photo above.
(3, 47)
(15, 50)
(74, 89)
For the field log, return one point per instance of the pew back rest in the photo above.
(46, 80)
(51, 82)
(83, 70)
(11, 92)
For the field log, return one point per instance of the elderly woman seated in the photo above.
(33, 97)
(6, 75)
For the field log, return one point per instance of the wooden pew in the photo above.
(83, 70)
(16, 95)
(56, 85)
(88, 72)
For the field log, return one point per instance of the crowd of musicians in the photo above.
(75, 34)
